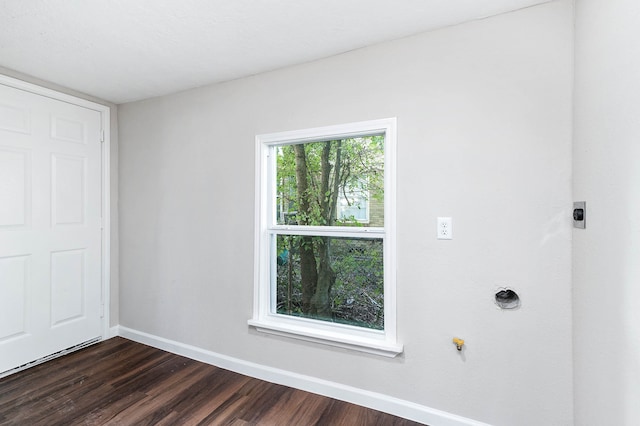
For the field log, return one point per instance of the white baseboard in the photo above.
(113, 332)
(376, 401)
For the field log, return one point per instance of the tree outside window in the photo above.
(323, 277)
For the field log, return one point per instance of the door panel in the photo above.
(13, 296)
(14, 118)
(68, 189)
(67, 286)
(50, 226)
(14, 187)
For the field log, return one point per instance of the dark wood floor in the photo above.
(119, 382)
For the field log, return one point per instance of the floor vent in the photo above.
(50, 357)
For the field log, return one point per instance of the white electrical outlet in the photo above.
(445, 228)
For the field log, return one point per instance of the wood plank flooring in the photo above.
(120, 382)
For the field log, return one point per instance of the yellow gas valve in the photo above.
(458, 342)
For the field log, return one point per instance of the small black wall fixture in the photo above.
(507, 299)
(580, 214)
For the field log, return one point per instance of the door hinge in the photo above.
(101, 135)
(102, 310)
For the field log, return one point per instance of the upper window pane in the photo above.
(331, 183)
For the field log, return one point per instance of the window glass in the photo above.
(353, 205)
(352, 289)
(330, 183)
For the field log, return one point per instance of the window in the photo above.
(353, 202)
(325, 240)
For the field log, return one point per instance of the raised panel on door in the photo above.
(13, 296)
(15, 191)
(14, 118)
(68, 189)
(68, 130)
(67, 286)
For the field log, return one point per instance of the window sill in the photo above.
(365, 344)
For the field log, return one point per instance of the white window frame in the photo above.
(265, 319)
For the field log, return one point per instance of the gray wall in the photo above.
(484, 136)
(607, 175)
(114, 270)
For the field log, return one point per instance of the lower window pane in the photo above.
(331, 279)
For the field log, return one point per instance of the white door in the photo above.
(50, 226)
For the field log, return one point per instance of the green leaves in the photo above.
(331, 183)
(335, 171)
(357, 295)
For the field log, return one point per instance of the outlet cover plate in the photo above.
(445, 228)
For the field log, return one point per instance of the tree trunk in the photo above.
(321, 300)
(316, 274)
(308, 267)
(337, 170)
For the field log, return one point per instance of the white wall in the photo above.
(484, 136)
(607, 175)
(114, 269)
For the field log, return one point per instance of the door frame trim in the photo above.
(105, 122)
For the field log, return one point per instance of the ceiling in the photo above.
(126, 50)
